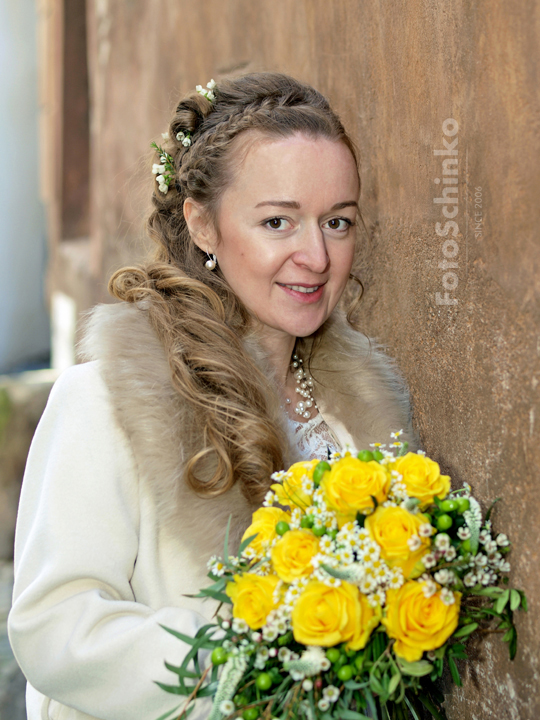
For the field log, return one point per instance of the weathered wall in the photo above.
(395, 72)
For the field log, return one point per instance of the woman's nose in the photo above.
(311, 251)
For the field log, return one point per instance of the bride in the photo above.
(226, 360)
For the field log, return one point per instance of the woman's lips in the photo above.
(303, 293)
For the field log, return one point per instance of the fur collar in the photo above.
(357, 387)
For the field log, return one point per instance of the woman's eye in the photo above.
(275, 223)
(334, 223)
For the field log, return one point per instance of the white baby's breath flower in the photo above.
(429, 560)
(307, 685)
(256, 637)
(464, 533)
(165, 135)
(442, 541)
(325, 664)
(490, 546)
(323, 704)
(484, 536)
(425, 530)
(272, 652)
(502, 540)
(450, 554)
(480, 560)
(444, 577)
(414, 543)
(331, 693)
(226, 707)
(240, 626)
(447, 596)
(284, 654)
(470, 579)
(269, 633)
(186, 142)
(429, 588)
(160, 178)
(504, 566)
(211, 85)
(164, 188)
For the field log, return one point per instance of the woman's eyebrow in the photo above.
(296, 205)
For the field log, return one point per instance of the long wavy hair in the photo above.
(197, 316)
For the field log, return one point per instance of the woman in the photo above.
(190, 399)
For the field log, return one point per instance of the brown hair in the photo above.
(194, 311)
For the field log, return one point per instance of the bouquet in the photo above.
(358, 581)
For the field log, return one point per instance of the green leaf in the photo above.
(352, 715)
(174, 689)
(415, 669)
(182, 672)
(394, 682)
(491, 592)
(426, 702)
(196, 642)
(501, 602)
(524, 603)
(168, 714)
(375, 502)
(512, 645)
(411, 708)
(246, 542)
(403, 449)
(454, 671)
(216, 595)
(515, 600)
(465, 630)
(376, 685)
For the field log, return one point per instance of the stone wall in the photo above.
(459, 311)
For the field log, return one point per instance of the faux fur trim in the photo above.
(356, 385)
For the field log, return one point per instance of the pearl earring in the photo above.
(211, 262)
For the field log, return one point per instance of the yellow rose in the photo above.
(264, 523)
(349, 485)
(290, 493)
(326, 616)
(419, 623)
(392, 528)
(422, 478)
(253, 597)
(291, 556)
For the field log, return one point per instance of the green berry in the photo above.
(250, 714)
(444, 522)
(463, 504)
(282, 527)
(319, 471)
(345, 673)
(240, 700)
(377, 455)
(465, 547)
(263, 681)
(219, 656)
(333, 654)
(365, 455)
(306, 521)
(359, 662)
(318, 531)
(449, 506)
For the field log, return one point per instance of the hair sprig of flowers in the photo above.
(208, 90)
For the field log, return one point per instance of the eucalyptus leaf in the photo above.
(465, 630)
(415, 669)
(515, 600)
(501, 602)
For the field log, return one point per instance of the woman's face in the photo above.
(287, 236)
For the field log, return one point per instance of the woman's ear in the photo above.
(200, 228)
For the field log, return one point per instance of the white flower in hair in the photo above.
(165, 135)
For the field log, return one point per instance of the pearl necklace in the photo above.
(304, 388)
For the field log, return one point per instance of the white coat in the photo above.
(109, 541)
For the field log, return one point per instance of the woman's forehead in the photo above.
(294, 164)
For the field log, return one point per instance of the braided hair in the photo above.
(196, 314)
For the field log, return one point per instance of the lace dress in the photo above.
(312, 438)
